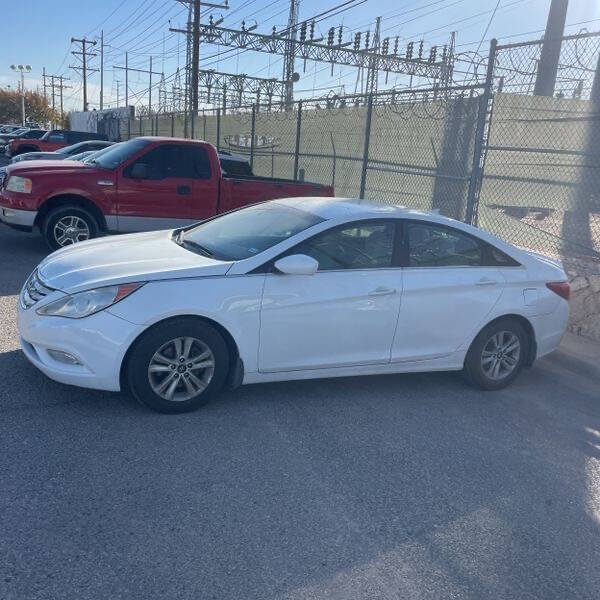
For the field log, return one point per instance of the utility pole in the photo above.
(126, 79)
(194, 32)
(101, 69)
(290, 54)
(117, 93)
(149, 72)
(84, 54)
(44, 78)
(53, 85)
(373, 70)
(550, 55)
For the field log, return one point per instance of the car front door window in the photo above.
(368, 245)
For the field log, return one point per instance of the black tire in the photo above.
(474, 370)
(162, 335)
(48, 227)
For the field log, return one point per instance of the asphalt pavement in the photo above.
(396, 487)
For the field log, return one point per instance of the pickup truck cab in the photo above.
(49, 141)
(145, 184)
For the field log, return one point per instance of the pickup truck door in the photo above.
(160, 188)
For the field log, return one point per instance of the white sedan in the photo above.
(290, 289)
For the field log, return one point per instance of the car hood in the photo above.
(37, 156)
(33, 167)
(122, 259)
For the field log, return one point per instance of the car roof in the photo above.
(354, 208)
(334, 208)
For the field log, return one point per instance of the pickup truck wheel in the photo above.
(68, 225)
(178, 365)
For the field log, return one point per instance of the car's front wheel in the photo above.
(497, 355)
(178, 365)
(66, 225)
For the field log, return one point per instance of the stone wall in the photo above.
(585, 298)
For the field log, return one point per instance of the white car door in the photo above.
(345, 314)
(447, 294)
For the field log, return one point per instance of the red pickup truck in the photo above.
(49, 141)
(144, 184)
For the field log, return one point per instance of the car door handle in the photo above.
(382, 291)
(486, 281)
(184, 190)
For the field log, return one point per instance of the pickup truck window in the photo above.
(56, 137)
(116, 155)
(248, 231)
(172, 161)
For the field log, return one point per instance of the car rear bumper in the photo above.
(550, 328)
(17, 217)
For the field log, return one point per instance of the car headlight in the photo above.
(22, 185)
(83, 304)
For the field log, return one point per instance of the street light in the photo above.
(23, 69)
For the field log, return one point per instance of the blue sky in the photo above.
(40, 32)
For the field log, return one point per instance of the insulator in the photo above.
(421, 50)
(312, 30)
(357, 37)
(385, 47)
(274, 29)
(210, 21)
(330, 36)
(303, 32)
(243, 25)
(367, 37)
(340, 35)
(433, 54)
(396, 42)
(409, 50)
(445, 54)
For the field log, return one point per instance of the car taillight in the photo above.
(562, 288)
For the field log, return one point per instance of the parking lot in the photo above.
(383, 487)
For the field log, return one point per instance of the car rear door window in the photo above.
(430, 245)
(362, 245)
(176, 161)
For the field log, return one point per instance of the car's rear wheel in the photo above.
(68, 225)
(497, 355)
(178, 365)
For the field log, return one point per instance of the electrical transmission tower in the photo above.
(240, 86)
(290, 53)
(357, 52)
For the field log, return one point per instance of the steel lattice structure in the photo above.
(240, 86)
(432, 66)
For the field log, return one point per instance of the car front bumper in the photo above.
(18, 217)
(98, 343)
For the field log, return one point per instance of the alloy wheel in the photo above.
(70, 230)
(181, 369)
(500, 355)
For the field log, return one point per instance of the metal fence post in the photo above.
(141, 126)
(365, 161)
(172, 124)
(128, 128)
(252, 136)
(192, 125)
(477, 167)
(298, 135)
(156, 125)
(218, 128)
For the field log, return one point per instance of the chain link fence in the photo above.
(523, 166)
(541, 183)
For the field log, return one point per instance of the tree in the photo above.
(36, 108)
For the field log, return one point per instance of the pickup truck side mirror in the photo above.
(297, 264)
(139, 171)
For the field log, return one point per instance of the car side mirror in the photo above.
(139, 171)
(297, 264)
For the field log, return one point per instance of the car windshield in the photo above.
(244, 233)
(113, 156)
